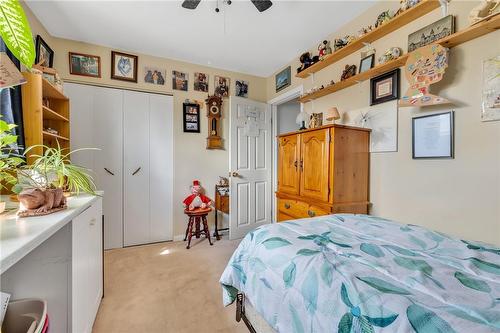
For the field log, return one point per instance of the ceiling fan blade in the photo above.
(190, 4)
(262, 5)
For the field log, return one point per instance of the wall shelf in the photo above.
(50, 136)
(470, 33)
(49, 91)
(399, 21)
(52, 115)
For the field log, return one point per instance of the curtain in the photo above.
(11, 104)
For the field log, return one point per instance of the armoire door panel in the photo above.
(288, 164)
(108, 162)
(315, 147)
(161, 167)
(136, 226)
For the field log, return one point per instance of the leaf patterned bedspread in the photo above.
(358, 273)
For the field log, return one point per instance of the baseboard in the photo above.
(178, 238)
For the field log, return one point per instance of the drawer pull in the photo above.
(311, 213)
(287, 206)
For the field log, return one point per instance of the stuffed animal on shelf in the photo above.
(349, 70)
(305, 60)
(324, 49)
(197, 199)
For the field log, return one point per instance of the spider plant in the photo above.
(53, 169)
(8, 161)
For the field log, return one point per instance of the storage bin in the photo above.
(25, 316)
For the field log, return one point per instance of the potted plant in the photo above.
(8, 161)
(42, 183)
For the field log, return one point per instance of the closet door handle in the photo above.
(112, 174)
(301, 165)
(295, 164)
(136, 171)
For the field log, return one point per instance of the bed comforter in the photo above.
(357, 273)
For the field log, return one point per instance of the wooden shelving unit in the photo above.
(470, 33)
(402, 19)
(39, 116)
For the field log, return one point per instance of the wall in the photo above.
(458, 196)
(287, 112)
(191, 159)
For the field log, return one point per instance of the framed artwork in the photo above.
(84, 64)
(201, 82)
(431, 33)
(433, 136)
(241, 88)
(155, 75)
(283, 79)
(385, 87)
(222, 86)
(124, 66)
(44, 54)
(180, 80)
(191, 117)
(491, 89)
(366, 63)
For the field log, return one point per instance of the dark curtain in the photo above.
(11, 107)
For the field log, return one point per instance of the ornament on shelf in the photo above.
(484, 10)
(423, 68)
(390, 54)
(405, 5)
(342, 42)
(364, 31)
(197, 199)
(367, 50)
(324, 49)
(316, 120)
(349, 70)
(383, 18)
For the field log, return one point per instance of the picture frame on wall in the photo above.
(241, 88)
(200, 82)
(124, 66)
(385, 87)
(433, 136)
(191, 117)
(180, 80)
(431, 33)
(153, 75)
(366, 63)
(44, 54)
(84, 64)
(283, 79)
(221, 86)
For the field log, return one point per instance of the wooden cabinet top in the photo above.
(326, 126)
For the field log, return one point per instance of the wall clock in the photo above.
(214, 113)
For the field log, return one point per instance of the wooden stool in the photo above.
(195, 217)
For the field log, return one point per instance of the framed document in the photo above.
(433, 136)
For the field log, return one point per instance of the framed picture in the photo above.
(241, 88)
(84, 64)
(491, 89)
(431, 33)
(155, 75)
(222, 86)
(366, 63)
(180, 80)
(44, 54)
(433, 136)
(191, 117)
(384, 87)
(283, 79)
(201, 82)
(124, 66)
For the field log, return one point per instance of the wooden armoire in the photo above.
(323, 171)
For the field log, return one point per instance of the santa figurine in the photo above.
(197, 199)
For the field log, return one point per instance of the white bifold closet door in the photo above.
(134, 167)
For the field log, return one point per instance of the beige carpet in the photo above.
(166, 288)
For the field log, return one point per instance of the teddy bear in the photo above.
(197, 199)
(324, 49)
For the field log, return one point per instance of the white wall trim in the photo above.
(283, 98)
(178, 238)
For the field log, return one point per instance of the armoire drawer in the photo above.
(299, 209)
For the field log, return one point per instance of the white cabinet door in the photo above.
(161, 167)
(136, 225)
(95, 258)
(107, 131)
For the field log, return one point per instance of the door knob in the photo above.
(111, 173)
(235, 174)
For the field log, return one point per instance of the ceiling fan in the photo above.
(261, 5)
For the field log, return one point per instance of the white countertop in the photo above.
(19, 236)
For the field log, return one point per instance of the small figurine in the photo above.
(197, 199)
(364, 31)
(324, 49)
(331, 83)
(316, 120)
(305, 60)
(223, 181)
(485, 9)
(383, 18)
(349, 70)
(405, 5)
(342, 42)
(40, 202)
(390, 54)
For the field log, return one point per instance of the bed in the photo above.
(359, 273)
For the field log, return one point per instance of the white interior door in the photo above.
(250, 166)
(136, 226)
(161, 167)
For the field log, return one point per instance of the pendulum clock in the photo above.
(214, 111)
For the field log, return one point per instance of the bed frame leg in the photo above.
(240, 312)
